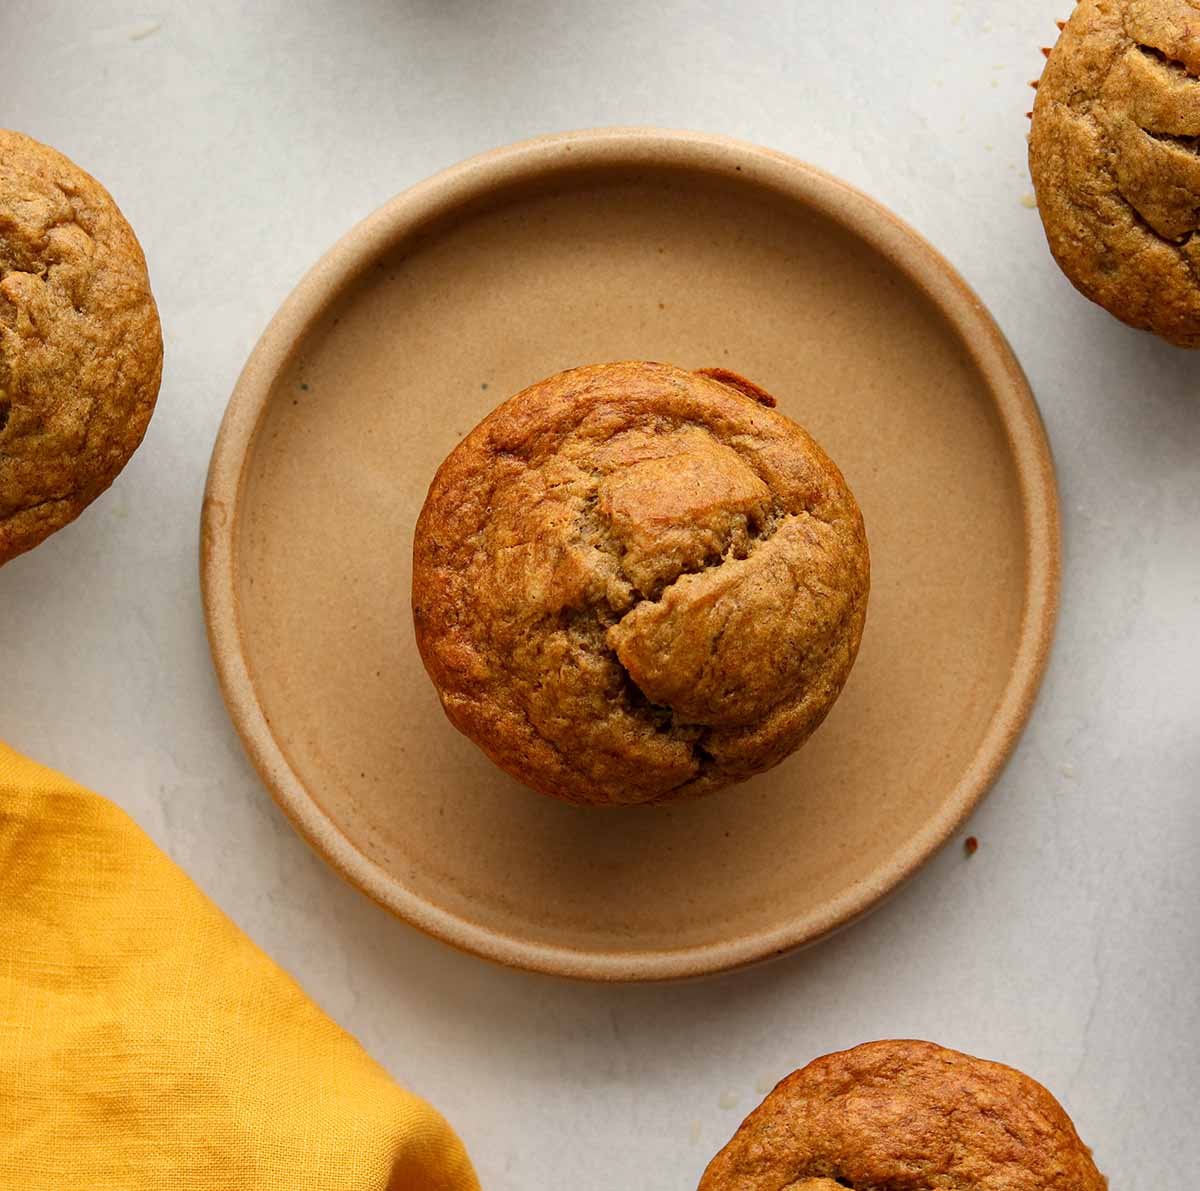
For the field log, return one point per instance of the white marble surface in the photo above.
(241, 140)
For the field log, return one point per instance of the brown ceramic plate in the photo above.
(613, 245)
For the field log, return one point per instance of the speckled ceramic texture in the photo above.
(609, 245)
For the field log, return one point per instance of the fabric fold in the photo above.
(146, 1043)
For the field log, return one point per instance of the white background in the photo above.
(241, 140)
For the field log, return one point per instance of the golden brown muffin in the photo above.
(905, 1116)
(1115, 157)
(80, 344)
(633, 583)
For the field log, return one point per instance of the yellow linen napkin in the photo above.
(147, 1045)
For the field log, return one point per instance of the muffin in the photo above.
(80, 345)
(888, 1116)
(1115, 156)
(633, 583)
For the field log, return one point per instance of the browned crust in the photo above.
(80, 343)
(1115, 157)
(906, 1116)
(632, 583)
(736, 381)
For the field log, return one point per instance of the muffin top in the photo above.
(1115, 157)
(633, 583)
(905, 1116)
(80, 345)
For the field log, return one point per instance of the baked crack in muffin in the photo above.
(634, 583)
(905, 1116)
(80, 344)
(1115, 156)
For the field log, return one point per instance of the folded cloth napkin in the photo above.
(147, 1045)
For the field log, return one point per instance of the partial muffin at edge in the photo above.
(905, 1116)
(635, 583)
(80, 343)
(1114, 152)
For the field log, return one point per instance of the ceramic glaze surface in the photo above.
(698, 252)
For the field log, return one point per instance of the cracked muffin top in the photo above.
(80, 345)
(633, 583)
(1115, 156)
(905, 1116)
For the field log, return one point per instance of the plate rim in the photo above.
(809, 186)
